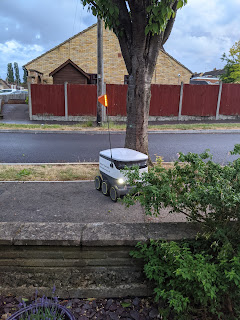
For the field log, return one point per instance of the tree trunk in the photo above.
(140, 52)
(138, 101)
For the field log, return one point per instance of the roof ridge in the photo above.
(163, 50)
(69, 61)
(69, 39)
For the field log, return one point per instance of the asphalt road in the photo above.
(75, 147)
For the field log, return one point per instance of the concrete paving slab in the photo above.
(73, 202)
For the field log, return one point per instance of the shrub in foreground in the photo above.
(202, 276)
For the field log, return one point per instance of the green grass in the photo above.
(14, 174)
(113, 126)
(195, 126)
(48, 172)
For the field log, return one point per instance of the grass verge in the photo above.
(117, 127)
(59, 127)
(65, 172)
(48, 172)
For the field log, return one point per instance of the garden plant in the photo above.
(42, 309)
(200, 278)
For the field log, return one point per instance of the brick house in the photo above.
(4, 85)
(81, 49)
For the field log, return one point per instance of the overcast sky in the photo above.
(203, 31)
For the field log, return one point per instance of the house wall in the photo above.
(82, 50)
(69, 74)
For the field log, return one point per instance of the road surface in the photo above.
(75, 147)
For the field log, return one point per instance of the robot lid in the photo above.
(123, 154)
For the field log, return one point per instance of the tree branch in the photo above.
(124, 32)
(170, 23)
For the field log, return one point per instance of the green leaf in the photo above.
(94, 11)
(147, 29)
(155, 11)
(111, 10)
(125, 304)
(148, 9)
(180, 4)
(24, 299)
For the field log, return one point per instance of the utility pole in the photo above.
(100, 79)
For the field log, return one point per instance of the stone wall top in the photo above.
(92, 234)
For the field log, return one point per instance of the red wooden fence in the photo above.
(230, 102)
(117, 97)
(164, 100)
(48, 99)
(200, 100)
(82, 99)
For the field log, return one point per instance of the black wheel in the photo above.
(113, 194)
(98, 183)
(105, 188)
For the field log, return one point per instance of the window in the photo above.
(122, 164)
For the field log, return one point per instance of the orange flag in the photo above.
(103, 100)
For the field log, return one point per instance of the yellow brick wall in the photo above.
(82, 50)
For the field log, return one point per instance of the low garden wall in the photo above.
(14, 98)
(81, 260)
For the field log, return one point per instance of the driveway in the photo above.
(15, 112)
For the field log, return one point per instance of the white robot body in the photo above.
(111, 161)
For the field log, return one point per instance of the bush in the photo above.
(206, 192)
(202, 275)
(26, 101)
(193, 278)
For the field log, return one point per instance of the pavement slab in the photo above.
(73, 202)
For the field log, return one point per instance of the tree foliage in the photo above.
(25, 75)
(122, 16)
(17, 76)
(142, 28)
(232, 67)
(10, 75)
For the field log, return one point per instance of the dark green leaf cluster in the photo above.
(193, 279)
(104, 9)
(17, 76)
(203, 190)
(10, 75)
(24, 75)
(159, 12)
(201, 276)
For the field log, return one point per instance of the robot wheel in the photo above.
(113, 194)
(98, 183)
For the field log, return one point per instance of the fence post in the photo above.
(219, 100)
(180, 102)
(66, 100)
(29, 101)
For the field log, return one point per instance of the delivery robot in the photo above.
(111, 180)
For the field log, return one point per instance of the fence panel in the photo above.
(82, 100)
(117, 99)
(47, 99)
(230, 101)
(164, 100)
(199, 100)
